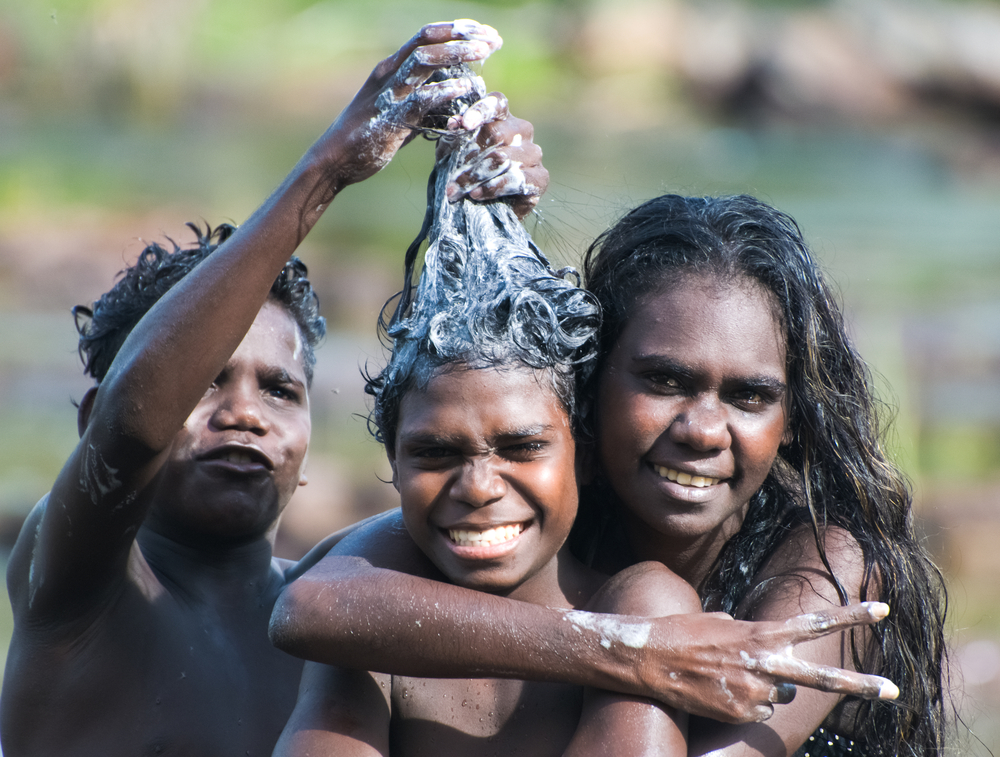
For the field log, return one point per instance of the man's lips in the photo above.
(238, 456)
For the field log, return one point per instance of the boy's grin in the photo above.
(485, 464)
(491, 537)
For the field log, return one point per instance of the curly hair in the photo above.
(486, 297)
(105, 325)
(834, 472)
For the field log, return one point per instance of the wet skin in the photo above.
(242, 452)
(143, 583)
(485, 449)
(694, 385)
(175, 646)
(475, 450)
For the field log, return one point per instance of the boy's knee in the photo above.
(649, 589)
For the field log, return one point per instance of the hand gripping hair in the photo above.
(487, 297)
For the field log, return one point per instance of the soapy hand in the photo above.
(736, 671)
(508, 163)
(397, 98)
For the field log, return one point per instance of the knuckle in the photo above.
(827, 678)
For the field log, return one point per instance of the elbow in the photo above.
(283, 630)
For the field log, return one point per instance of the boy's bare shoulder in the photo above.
(22, 570)
(383, 542)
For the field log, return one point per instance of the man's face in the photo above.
(241, 453)
(485, 465)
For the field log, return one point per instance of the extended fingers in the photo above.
(826, 678)
(439, 46)
(816, 624)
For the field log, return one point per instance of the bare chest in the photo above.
(482, 717)
(156, 678)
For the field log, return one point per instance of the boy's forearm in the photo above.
(363, 617)
(344, 612)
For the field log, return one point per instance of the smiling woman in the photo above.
(705, 360)
(725, 356)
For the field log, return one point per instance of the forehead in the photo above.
(274, 338)
(703, 317)
(482, 402)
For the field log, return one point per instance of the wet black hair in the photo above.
(105, 325)
(835, 470)
(487, 298)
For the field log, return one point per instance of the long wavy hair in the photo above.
(834, 472)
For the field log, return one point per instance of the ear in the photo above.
(84, 410)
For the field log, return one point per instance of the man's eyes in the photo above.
(663, 381)
(285, 392)
(434, 453)
(517, 452)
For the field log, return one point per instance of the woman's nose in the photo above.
(479, 483)
(702, 425)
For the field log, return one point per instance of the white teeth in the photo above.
(240, 458)
(487, 538)
(685, 479)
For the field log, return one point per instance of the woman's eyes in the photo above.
(752, 399)
(748, 397)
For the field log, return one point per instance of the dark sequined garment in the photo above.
(824, 743)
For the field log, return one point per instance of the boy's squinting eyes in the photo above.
(485, 464)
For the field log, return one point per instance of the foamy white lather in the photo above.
(612, 630)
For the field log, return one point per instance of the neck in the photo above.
(565, 582)
(210, 572)
(690, 557)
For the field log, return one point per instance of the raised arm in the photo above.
(351, 612)
(76, 547)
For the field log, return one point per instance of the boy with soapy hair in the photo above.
(477, 411)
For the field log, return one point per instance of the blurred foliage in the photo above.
(124, 118)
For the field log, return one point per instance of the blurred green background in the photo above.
(875, 123)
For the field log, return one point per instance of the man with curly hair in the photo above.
(142, 584)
